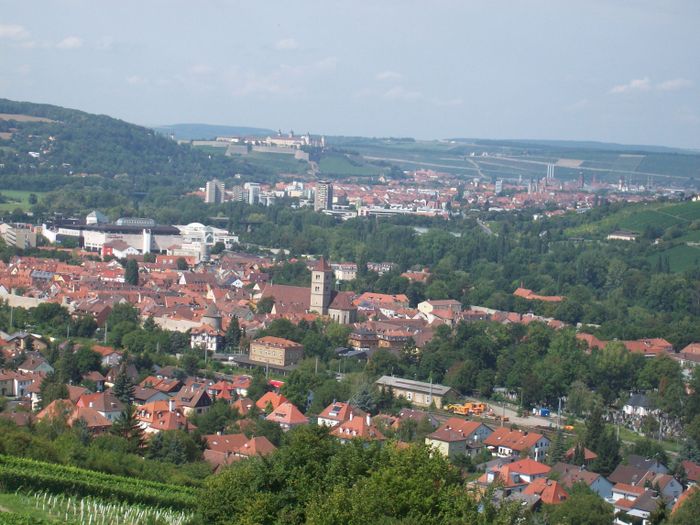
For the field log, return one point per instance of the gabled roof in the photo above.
(692, 470)
(571, 474)
(273, 398)
(588, 455)
(517, 440)
(551, 492)
(287, 414)
(339, 411)
(102, 402)
(358, 428)
(455, 429)
(627, 474)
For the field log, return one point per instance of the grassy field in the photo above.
(336, 164)
(17, 199)
(60, 509)
(276, 162)
(636, 218)
(680, 257)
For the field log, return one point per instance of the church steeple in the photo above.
(321, 284)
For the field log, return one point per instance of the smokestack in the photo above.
(171, 405)
(351, 414)
(369, 420)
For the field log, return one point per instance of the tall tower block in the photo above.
(321, 283)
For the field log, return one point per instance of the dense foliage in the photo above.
(316, 480)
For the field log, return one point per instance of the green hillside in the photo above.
(44, 140)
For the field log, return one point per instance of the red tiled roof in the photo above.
(340, 411)
(514, 439)
(272, 398)
(358, 428)
(287, 414)
(550, 492)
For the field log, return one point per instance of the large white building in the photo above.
(142, 235)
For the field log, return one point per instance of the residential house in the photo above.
(638, 405)
(515, 476)
(692, 472)
(287, 416)
(459, 437)
(270, 401)
(160, 416)
(193, 398)
(110, 356)
(207, 337)
(105, 403)
(145, 395)
(588, 456)
(572, 474)
(360, 428)
(224, 449)
(504, 442)
(550, 492)
(35, 364)
(669, 487)
(337, 413)
(243, 405)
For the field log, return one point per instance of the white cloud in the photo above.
(637, 84)
(388, 75)
(675, 84)
(327, 63)
(401, 93)
(287, 44)
(201, 69)
(13, 32)
(70, 42)
(136, 80)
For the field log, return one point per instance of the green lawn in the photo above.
(637, 217)
(276, 162)
(17, 199)
(336, 164)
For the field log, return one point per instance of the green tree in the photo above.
(582, 507)
(51, 389)
(131, 272)
(233, 334)
(557, 449)
(127, 427)
(264, 305)
(123, 386)
(181, 263)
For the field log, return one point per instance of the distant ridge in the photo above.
(208, 131)
(575, 144)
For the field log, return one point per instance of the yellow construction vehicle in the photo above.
(467, 409)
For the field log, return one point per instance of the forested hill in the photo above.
(54, 143)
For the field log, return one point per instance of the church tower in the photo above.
(321, 285)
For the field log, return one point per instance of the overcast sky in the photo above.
(617, 70)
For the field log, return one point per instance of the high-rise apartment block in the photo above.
(324, 196)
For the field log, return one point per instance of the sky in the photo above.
(624, 71)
